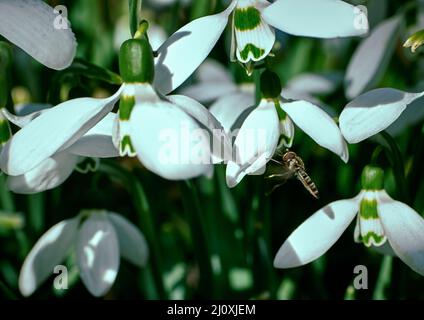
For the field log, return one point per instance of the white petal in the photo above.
(221, 143)
(207, 91)
(371, 58)
(24, 109)
(53, 131)
(314, 83)
(49, 251)
(49, 174)
(413, 115)
(405, 230)
(98, 254)
(132, 244)
(317, 18)
(187, 48)
(212, 71)
(318, 125)
(169, 142)
(255, 143)
(261, 37)
(228, 108)
(20, 121)
(373, 112)
(97, 143)
(289, 93)
(317, 234)
(31, 25)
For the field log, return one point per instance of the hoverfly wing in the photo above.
(276, 175)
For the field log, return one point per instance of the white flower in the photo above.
(370, 60)
(215, 84)
(37, 29)
(381, 222)
(373, 112)
(253, 32)
(149, 125)
(98, 238)
(271, 122)
(230, 99)
(55, 169)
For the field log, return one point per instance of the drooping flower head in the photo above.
(381, 222)
(272, 123)
(98, 239)
(171, 135)
(253, 23)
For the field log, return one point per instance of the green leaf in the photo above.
(135, 10)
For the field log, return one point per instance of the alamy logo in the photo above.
(361, 17)
(61, 21)
(61, 280)
(360, 282)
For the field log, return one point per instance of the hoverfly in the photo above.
(290, 166)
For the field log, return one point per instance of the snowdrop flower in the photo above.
(39, 30)
(373, 112)
(56, 169)
(168, 134)
(381, 222)
(98, 239)
(271, 122)
(370, 60)
(253, 23)
(215, 84)
(230, 99)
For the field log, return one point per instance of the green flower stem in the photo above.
(384, 279)
(145, 217)
(258, 237)
(395, 156)
(6, 199)
(5, 63)
(199, 238)
(36, 212)
(415, 173)
(202, 8)
(7, 292)
(134, 9)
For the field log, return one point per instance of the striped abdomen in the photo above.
(307, 182)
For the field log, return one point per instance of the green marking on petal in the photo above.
(368, 209)
(126, 105)
(372, 238)
(247, 18)
(251, 49)
(88, 165)
(126, 147)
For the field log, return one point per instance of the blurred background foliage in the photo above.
(206, 240)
